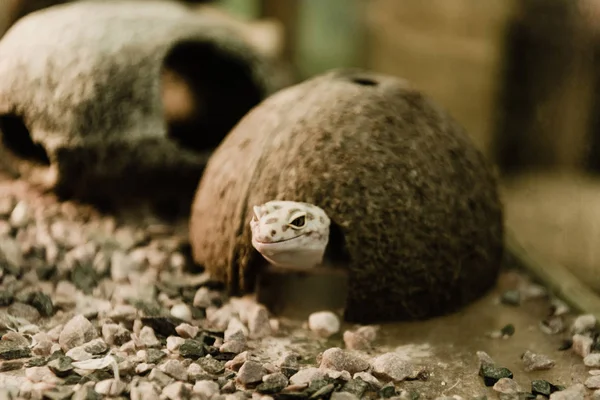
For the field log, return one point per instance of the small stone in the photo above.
(206, 389)
(357, 387)
(388, 390)
(507, 331)
(212, 366)
(144, 390)
(272, 383)
(161, 325)
(324, 323)
(258, 322)
(541, 387)
(39, 374)
(175, 369)
(340, 360)
(187, 331)
(78, 354)
(552, 325)
(511, 298)
(21, 215)
(592, 360)
(370, 379)
(583, 323)
(392, 366)
(575, 392)
(177, 391)
(153, 356)
(174, 343)
(114, 334)
(76, 332)
(160, 377)
(147, 338)
(86, 393)
(492, 374)
(13, 365)
(536, 362)
(484, 358)
(236, 363)
(10, 350)
(236, 330)
(122, 313)
(250, 372)
(182, 311)
(61, 366)
(306, 375)
(96, 347)
(202, 298)
(356, 341)
(593, 382)
(233, 346)
(42, 303)
(507, 386)
(110, 387)
(143, 368)
(323, 391)
(11, 256)
(582, 345)
(192, 349)
(25, 311)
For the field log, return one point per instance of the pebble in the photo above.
(236, 330)
(582, 345)
(340, 360)
(575, 392)
(110, 387)
(160, 377)
(212, 366)
(25, 311)
(593, 382)
(233, 346)
(392, 366)
(324, 323)
(592, 360)
(187, 331)
(583, 323)
(21, 215)
(192, 349)
(492, 373)
(96, 346)
(143, 391)
(182, 311)
(79, 330)
(114, 334)
(251, 372)
(536, 362)
(39, 374)
(177, 391)
(259, 325)
(373, 382)
(507, 386)
(206, 388)
(174, 343)
(147, 338)
(307, 375)
(360, 339)
(175, 369)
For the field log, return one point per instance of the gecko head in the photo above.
(290, 234)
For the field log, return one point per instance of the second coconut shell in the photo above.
(416, 217)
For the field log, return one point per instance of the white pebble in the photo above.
(181, 311)
(583, 323)
(324, 323)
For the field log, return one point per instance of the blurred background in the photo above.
(520, 75)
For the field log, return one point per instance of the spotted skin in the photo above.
(290, 234)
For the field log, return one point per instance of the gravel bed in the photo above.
(95, 306)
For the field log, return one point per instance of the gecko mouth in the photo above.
(280, 241)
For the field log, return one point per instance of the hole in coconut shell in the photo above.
(17, 139)
(205, 92)
(364, 81)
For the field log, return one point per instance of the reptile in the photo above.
(290, 234)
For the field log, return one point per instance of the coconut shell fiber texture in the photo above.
(416, 216)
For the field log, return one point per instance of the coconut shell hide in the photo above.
(415, 205)
(89, 93)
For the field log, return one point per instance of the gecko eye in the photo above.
(298, 222)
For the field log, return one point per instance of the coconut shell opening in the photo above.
(205, 92)
(17, 139)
